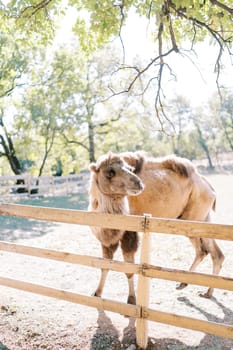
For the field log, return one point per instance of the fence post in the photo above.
(67, 184)
(143, 290)
(28, 183)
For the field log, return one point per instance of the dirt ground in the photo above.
(29, 321)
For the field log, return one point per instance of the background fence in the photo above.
(145, 224)
(26, 185)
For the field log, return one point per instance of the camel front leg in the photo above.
(108, 253)
(129, 245)
(101, 284)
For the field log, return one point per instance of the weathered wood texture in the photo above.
(189, 323)
(143, 290)
(134, 223)
(144, 269)
(99, 303)
(128, 222)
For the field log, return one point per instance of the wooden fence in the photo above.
(145, 224)
(26, 185)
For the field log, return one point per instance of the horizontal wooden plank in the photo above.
(53, 184)
(201, 279)
(99, 303)
(220, 330)
(81, 217)
(44, 177)
(67, 257)
(191, 228)
(13, 177)
(13, 186)
(122, 308)
(146, 270)
(128, 222)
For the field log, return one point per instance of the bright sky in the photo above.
(195, 77)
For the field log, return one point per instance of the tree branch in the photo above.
(166, 12)
(223, 6)
(214, 33)
(121, 6)
(138, 75)
(35, 8)
(75, 142)
(13, 85)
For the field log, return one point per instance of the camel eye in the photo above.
(110, 173)
(130, 168)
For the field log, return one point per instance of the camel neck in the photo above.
(115, 204)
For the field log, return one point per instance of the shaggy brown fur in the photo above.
(112, 180)
(173, 189)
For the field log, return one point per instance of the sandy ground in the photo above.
(29, 321)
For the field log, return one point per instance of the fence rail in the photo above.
(27, 185)
(145, 224)
(99, 303)
(128, 222)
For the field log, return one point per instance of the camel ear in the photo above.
(93, 167)
(109, 155)
(139, 162)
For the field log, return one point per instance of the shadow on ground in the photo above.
(107, 336)
(211, 341)
(12, 228)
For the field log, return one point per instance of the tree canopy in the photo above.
(69, 104)
(176, 27)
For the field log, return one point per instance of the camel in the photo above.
(112, 180)
(168, 187)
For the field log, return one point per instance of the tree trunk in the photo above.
(228, 134)
(204, 146)
(91, 142)
(10, 154)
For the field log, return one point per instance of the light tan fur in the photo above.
(112, 180)
(173, 189)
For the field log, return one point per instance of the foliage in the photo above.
(13, 63)
(222, 113)
(207, 20)
(176, 26)
(62, 115)
(31, 21)
(98, 21)
(55, 105)
(173, 18)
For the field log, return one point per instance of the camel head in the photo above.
(114, 176)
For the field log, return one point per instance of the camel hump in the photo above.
(181, 166)
(135, 160)
(138, 160)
